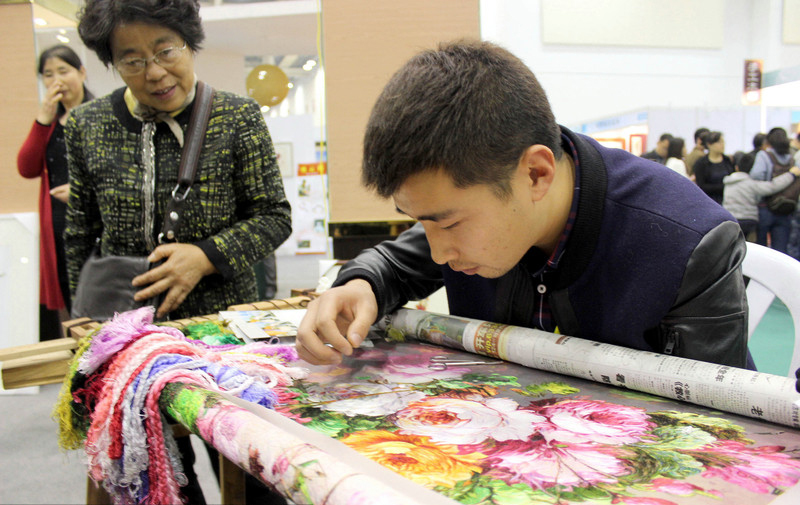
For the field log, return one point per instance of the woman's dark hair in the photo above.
(712, 138)
(62, 52)
(675, 149)
(470, 108)
(778, 140)
(99, 18)
(758, 141)
(69, 57)
(700, 133)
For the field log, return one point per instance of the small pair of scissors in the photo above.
(441, 362)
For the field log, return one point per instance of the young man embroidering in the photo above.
(530, 224)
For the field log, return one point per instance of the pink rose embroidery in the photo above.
(638, 500)
(759, 469)
(465, 421)
(679, 487)
(582, 421)
(413, 369)
(543, 464)
(363, 398)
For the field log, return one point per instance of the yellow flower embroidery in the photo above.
(416, 458)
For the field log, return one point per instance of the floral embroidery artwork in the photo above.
(504, 434)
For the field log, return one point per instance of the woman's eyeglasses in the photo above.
(164, 58)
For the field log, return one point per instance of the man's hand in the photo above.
(337, 322)
(184, 265)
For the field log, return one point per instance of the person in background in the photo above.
(659, 153)
(266, 272)
(793, 245)
(742, 194)
(235, 213)
(759, 143)
(675, 154)
(44, 155)
(697, 152)
(713, 167)
(737, 157)
(530, 224)
(794, 147)
(775, 226)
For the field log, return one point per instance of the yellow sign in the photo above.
(312, 168)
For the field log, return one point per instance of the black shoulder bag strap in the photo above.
(196, 132)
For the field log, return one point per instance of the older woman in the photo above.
(125, 150)
(124, 154)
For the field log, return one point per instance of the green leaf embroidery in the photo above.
(686, 437)
(717, 426)
(556, 388)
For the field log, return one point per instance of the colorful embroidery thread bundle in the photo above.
(110, 398)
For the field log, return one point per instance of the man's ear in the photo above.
(538, 167)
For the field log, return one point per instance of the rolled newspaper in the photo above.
(745, 392)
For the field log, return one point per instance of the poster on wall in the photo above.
(638, 141)
(311, 212)
(614, 143)
(283, 152)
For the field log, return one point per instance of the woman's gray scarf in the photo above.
(149, 116)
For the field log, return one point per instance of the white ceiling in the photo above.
(266, 28)
(281, 32)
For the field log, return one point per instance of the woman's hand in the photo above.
(60, 193)
(49, 108)
(183, 267)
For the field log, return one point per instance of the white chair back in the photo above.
(773, 274)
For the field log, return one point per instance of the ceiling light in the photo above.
(62, 39)
(39, 22)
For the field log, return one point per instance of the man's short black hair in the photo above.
(470, 108)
